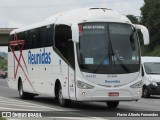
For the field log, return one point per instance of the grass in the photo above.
(2, 118)
(3, 63)
(155, 52)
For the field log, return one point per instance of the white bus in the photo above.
(87, 54)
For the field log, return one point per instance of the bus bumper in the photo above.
(103, 95)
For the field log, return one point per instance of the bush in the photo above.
(2, 118)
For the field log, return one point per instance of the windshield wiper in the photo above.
(117, 59)
(122, 64)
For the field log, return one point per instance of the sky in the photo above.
(19, 13)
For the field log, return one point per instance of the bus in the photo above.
(85, 54)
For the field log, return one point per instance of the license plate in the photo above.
(113, 94)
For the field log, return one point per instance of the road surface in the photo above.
(10, 101)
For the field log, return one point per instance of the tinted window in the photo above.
(36, 38)
(46, 36)
(110, 48)
(152, 67)
(64, 43)
(10, 39)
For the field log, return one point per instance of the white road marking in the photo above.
(3, 87)
(3, 80)
(15, 119)
(40, 106)
(22, 105)
(17, 101)
(65, 118)
(80, 118)
(14, 109)
(141, 108)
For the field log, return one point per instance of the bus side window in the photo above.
(11, 37)
(64, 44)
(46, 36)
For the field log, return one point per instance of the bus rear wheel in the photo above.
(24, 95)
(62, 102)
(112, 104)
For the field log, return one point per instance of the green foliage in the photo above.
(133, 19)
(2, 118)
(3, 63)
(151, 19)
(146, 52)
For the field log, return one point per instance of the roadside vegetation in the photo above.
(2, 118)
(151, 19)
(3, 63)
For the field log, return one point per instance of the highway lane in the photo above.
(10, 101)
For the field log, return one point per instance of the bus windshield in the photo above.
(108, 48)
(152, 67)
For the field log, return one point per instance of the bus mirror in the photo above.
(75, 33)
(145, 33)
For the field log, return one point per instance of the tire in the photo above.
(62, 102)
(145, 92)
(24, 95)
(112, 104)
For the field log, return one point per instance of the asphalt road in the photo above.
(10, 101)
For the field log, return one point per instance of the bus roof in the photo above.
(79, 16)
(150, 59)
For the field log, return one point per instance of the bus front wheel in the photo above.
(112, 104)
(63, 102)
(145, 92)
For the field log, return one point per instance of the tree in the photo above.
(151, 19)
(3, 63)
(133, 19)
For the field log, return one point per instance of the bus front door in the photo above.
(72, 89)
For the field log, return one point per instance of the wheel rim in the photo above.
(145, 92)
(21, 90)
(60, 96)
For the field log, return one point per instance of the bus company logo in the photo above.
(112, 81)
(42, 57)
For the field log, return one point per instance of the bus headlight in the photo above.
(137, 85)
(83, 85)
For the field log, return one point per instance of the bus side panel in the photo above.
(60, 72)
(24, 73)
(11, 82)
(41, 75)
(17, 71)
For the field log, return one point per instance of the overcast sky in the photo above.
(19, 13)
